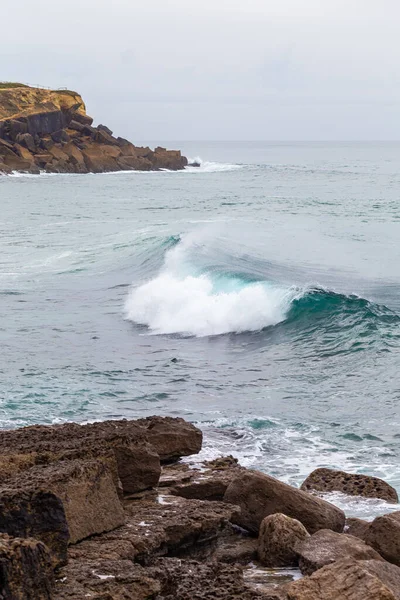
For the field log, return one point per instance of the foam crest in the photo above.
(179, 302)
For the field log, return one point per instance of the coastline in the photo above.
(119, 509)
(49, 131)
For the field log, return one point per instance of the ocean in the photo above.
(257, 296)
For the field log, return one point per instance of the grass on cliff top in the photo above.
(6, 85)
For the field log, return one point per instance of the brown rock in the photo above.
(61, 504)
(60, 136)
(80, 117)
(326, 547)
(75, 157)
(105, 129)
(190, 580)
(279, 541)
(76, 126)
(137, 461)
(102, 137)
(4, 169)
(172, 437)
(357, 527)
(168, 159)
(113, 151)
(328, 480)
(58, 154)
(176, 527)
(383, 534)
(134, 163)
(346, 580)
(23, 153)
(26, 139)
(209, 484)
(260, 495)
(105, 580)
(235, 547)
(26, 570)
(97, 161)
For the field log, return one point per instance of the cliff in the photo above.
(46, 130)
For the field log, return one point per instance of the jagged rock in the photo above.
(326, 547)
(26, 139)
(60, 136)
(209, 484)
(357, 527)
(46, 143)
(168, 159)
(280, 540)
(105, 580)
(5, 169)
(98, 161)
(61, 504)
(103, 137)
(349, 580)
(172, 437)
(82, 118)
(129, 163)
(235, 546)
(105, 129)
(137, 461)
(176, 527)
(260, 495)
(328, 480)
(383, 534)
(58, 154)
(76, 126)
(26, 570)
(24, 153)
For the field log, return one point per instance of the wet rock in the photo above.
(172, 437)
(328, 480)
(235, 546)
(60, 504)
(175, 527)
(190, 580)
(26, 570)
(210, 483)
(383, 535)
(260, 495)
(280, 540)
(348, 580)
(357, 527)
(105, 580)
(326, 547)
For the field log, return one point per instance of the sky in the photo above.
(216, 69)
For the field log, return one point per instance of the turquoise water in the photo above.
(258, 296)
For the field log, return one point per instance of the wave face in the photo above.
(192, 298)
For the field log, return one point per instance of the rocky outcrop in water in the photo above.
(80, 518)
(44, 130)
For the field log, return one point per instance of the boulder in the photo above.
(348, 580)
(102, 137)
(137, 462)
(76, 126)
(357, 527)
(328, 480)
(58, 154)
(61, 504)
(26, 139)
(172, 437)
(5, 169)
(24, 153)
(168, 159)
(326, 547)
(26, 571)
(98, 161)
(105, 129)
(279, 541)
(383, 534)
(60, 136)
(82, 118)
(260, 495)
(75, 157)
(129, 163)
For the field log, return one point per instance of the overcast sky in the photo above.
(216, 69)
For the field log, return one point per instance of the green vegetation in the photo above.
(5, 85)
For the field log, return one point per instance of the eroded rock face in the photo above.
(328, 480)
(348, 580)
(383, 534)
(280, 540)
(357, 527)
(260, 495)
(45, 121)
(61, 504)
(176, 527)
(25, 569)
(326, 547)
(137, 462)
(212, 482)
(172, 437)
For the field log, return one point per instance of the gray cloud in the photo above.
(216, 69)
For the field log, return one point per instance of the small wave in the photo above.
(209, 166)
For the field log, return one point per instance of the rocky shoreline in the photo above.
(49, 131)
(110, 511)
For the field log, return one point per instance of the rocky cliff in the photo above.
(45, 130)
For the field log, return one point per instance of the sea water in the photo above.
(257, 296)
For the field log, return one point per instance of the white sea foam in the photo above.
(209, 166)
(177, 302)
